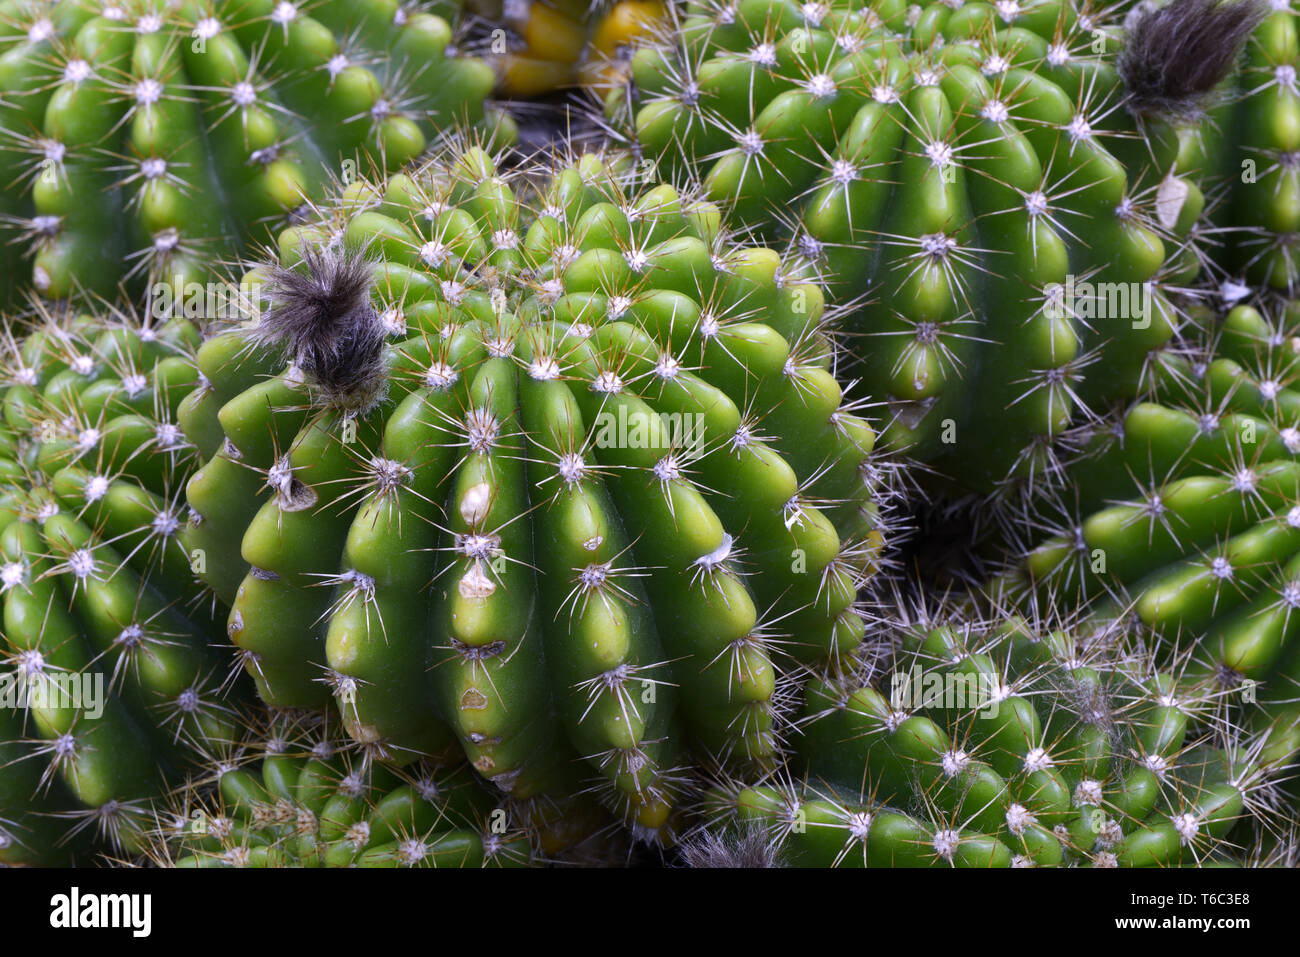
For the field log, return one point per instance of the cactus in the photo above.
(1182, 521)
(1002, 745)
(559, 44)
(149, 139)
(295, 796)
(1250, 153)
(29, 835)
(1179, 530)
(977, 176)
(553, 472)
(107, 639)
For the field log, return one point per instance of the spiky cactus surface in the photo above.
(530, 496)
(1183, 520)
(28, 838)
(113, 682)
(151, 139)
(987, 178)
(1180, 532)
(1249, 157)
(555, 474)
(296, 796)
(996, 746)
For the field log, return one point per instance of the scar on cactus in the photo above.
(1177, 54)
(325, 321)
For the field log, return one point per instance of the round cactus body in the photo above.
(982, 182)
(1182, 532)
(1000, 747)
(152, 139)
(107, 638)
(552, 474)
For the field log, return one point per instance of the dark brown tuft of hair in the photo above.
(324, 319)
(1175, 55)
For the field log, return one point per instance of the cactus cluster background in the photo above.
(712, 433)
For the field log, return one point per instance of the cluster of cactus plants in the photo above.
(494, 509)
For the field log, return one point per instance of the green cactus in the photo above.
(573, 486)
(1179, 533)
(997, 746)
(974, 179)
(106, 637)
(28, 834)
(1250, 154)
(297, 797)
(146, 140)
(1183, 523)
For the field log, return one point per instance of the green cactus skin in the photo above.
(1182, 533)
(947, 166)
(1188, 525)
(1250, 153)
(150, 139)
(1032, 749)
(301, 799)
(28, 836)
(481, 557)
(95, 584)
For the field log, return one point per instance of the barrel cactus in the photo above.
(108, 643)
(1178, 530)
(150, 139)
(990, 185)
(541, 472)
(995, 746)
(293, 795)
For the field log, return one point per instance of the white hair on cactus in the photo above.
(945, 843)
